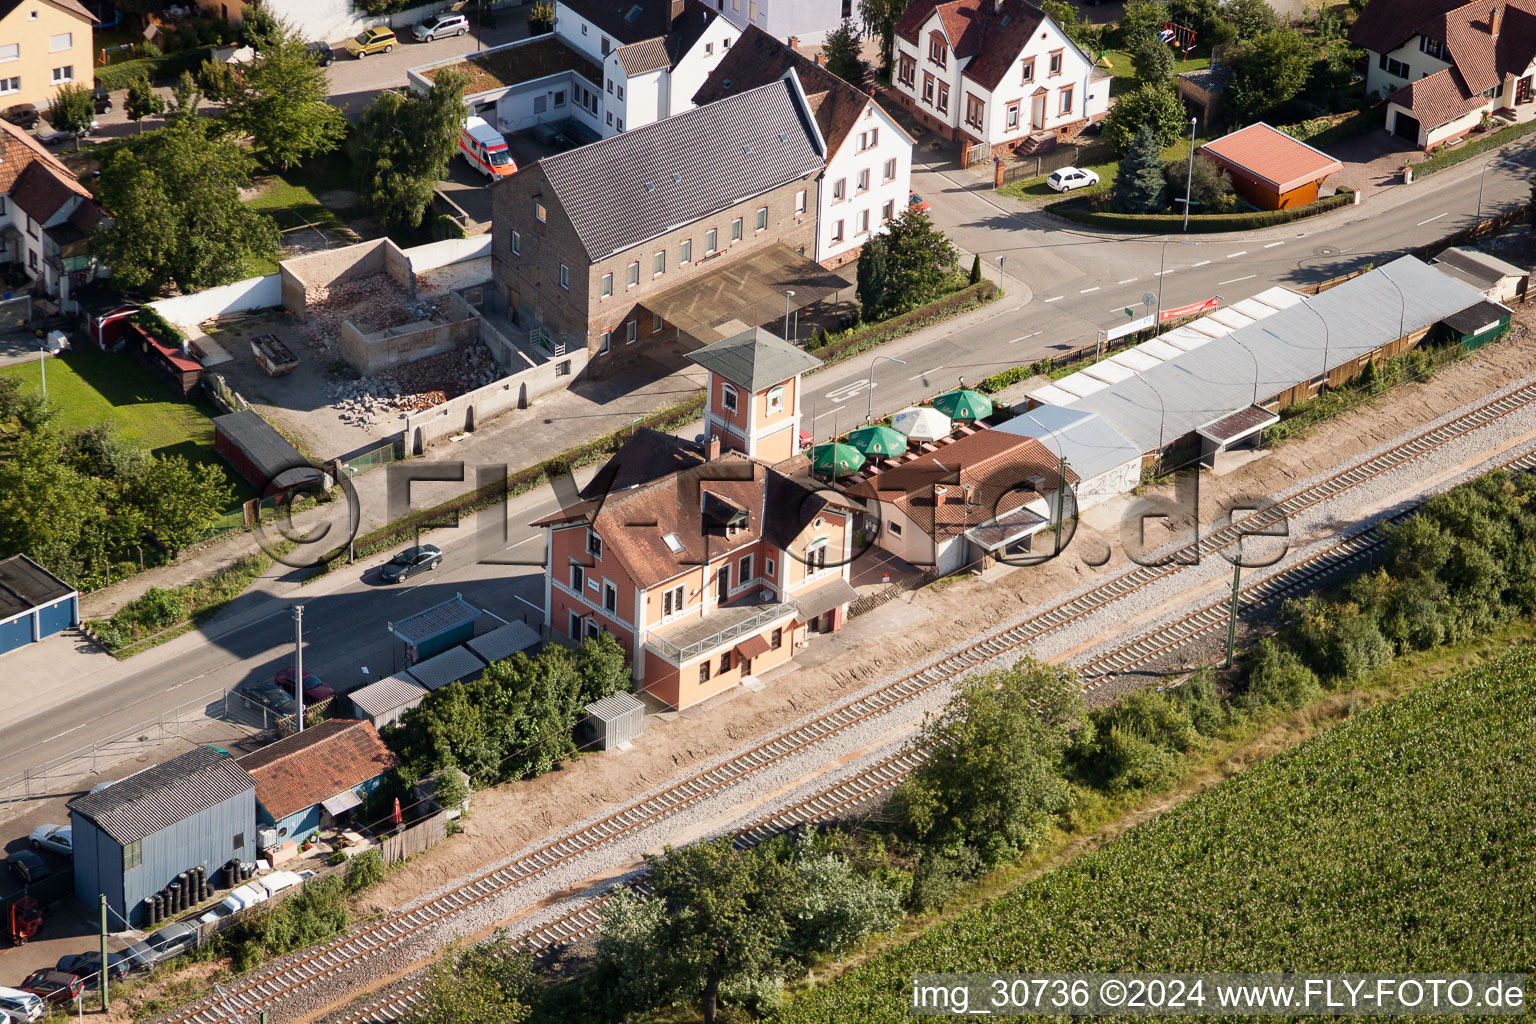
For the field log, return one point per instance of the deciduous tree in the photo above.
(180, 500)
(142, 101)
(1249, 18)
(1210, 186)
(880, 18)
(841, 52)
(72, 110)
(919, 259)
(403, 148)
(1153, 107)
(1154, 62)
(1267, 70)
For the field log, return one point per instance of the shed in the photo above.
(1495, 278)
(434, 630)
(1269, 168)
(168, 361)
(134, 838)
(457, 664)
(612, 722)
(1201, 91)
(1477, 325)
(386, 701)
(34, 603)
(504, 641)
(260, 454)
(307, 780)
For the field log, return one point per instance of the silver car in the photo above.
(440, 25)
(54, 839)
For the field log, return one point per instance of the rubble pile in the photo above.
(413, 387)
(372, 303)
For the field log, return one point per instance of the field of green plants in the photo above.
(1396, 841)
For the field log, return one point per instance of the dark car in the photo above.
(22, 115)
(88, 965)
(58, 987)
(102, 99)
(323, 54)
(315, 689)
(28, 866)
(269, 694)
(412, 561)
(169, 942)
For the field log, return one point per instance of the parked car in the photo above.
(485, 150)
(57, 987)
(88, 965)
(439, 25)
(28, 866)
(323, 54)
(102, 99)
(411, 561)
(917, 202)
(371, 40)
(1068, 178)
(247, 895)
(269, 695)
(315, 689)
(28, 1006)
(22, 115)
(168, 942)
(55, 839)
(276, 881)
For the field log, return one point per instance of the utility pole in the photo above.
(298, 665)
(1061, 498)
(1237, 579)
(1189, 180)
(106, 1002)
(787, 296)
(42, 365)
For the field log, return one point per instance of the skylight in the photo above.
(634, 14)
(673, 544)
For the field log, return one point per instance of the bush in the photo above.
(1277, 679)
(317, 912)
(1337, 641)
(154, 324)
(364, 871)
(1450, 157)
(1082, 212)
(942, 875)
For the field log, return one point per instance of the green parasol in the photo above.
(878, 440)
(964, 404)
(835, 459)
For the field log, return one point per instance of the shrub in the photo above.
(941, 875)
(162, 329)
(315, 913)
(365, 871)
(1277, 679)
(1337, 641)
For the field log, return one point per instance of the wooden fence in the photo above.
(1036, 164)
(417, 839)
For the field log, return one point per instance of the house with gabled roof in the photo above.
(1444, 65)
(44, 44)
(317, 777)
(868, 173)
(998, 75)
(46, 216)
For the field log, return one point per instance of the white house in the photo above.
(868, 174)
(807, 21)
(999, 75)
(1443, 65)
(45, 217)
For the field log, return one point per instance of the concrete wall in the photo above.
(451, 250)
(252, 293)
(337, 266)
(404, 344)
(476, 407)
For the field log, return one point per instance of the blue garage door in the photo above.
(16, 633)
(57, 617)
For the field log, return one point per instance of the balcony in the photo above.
(717, 629)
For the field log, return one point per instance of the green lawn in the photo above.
(1124, 73)
(90, 386)
(1035, 188)
(292, 198)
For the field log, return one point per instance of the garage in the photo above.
(34, 603)
(1406, 126)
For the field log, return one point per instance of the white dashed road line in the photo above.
(1434, 218)
(1271, 245)
(1202, 263)
(1240, 252)
(1055, 298)
(1025, 337)
(1250, 277)
(1129, 280)
(1087, 291)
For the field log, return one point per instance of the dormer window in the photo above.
(728, 399)
(1433, 47)
(938, 53)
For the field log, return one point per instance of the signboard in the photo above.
(1180, 312)
(1130, 327)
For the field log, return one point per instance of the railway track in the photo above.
(267, 988)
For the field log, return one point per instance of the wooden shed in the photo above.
(1269, 168)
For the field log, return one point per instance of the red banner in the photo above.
(1181, 312)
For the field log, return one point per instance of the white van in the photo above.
(485, 149)
(21, 1005)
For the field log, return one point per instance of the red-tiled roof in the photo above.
(19, 150)
(39, 192)
(1483, 58)
(1272, 155)
(1437, 99)
(1385, 25)
(992, 34)
(316, 764)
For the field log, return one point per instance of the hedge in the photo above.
(1450, 157)
(1347, 127)
(866, 336)
(1073, 210)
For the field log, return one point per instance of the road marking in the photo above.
(1086, 291)
(1160, 273)
(1240, 252)
(1202, 263)
(1271, 245)
(1025, 337)
(1250, 277)
(520, 543)
(847, 391)
(1129, 280)
(1054, 298)
(925, 373)
(1434, 218)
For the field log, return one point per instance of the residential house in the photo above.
(868, 173)
(806, 21)
(43, 44)
(586, 240)
(315, 778)
(133, 838)
(987, 495)
(45, 217)
(708, 568)
(1443, 65)
(996, 74)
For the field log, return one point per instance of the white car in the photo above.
(27, 1006)
(247, 895)
(1068, 178)
(54, 838)
(440, 25)
(277, 881)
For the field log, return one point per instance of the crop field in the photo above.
(1399, 840)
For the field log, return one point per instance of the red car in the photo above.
(917, 202)
(57, 987)
(315, 690)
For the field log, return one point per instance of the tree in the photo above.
(177, 217)
(72, 110)
(279, 100)
(180, 500)
(1267, 71)
(880, 18)
(1154, 62)
(491, 982)
(404, 145)
(1155, 108)
(1142, 18)
(976, 269)
(1065, 16)
(841, 52)
(602, 668)
(920, 262)
(541, 18)
(1140, 186)
(993, 779)
(142, 101)
(186, 96)
(725, 915)
(1210, 186)
(873, 277)
(47, 509)
(1249, 18)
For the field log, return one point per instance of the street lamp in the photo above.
(1402, 316)
(42, 364)
(1480, 175)
(1161, 264)
(869, 413)
(787, 296)
(1189, 180)
(1163, 419)
(1326, 337)
(1255, 359)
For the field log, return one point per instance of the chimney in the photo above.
(712, 448)
(1494, 16)
(794, 42)
(818, 60)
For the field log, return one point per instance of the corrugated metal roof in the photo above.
(1185, 339)
(449, 667)
(614, 706)
(386, 695)
(1361, 316)
(1081, 385)
(273, 458)
(504, 641)
(1279, 297)
(1158, 349)
(1089, 445)
(1114, 373)
(440, 617)
(161, 795)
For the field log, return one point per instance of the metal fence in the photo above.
(67, 773)
(383, 453)
(897, 587)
